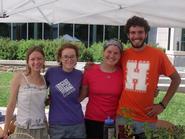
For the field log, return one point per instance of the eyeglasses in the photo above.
(65, 57)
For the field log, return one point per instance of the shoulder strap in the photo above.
(44, 80)
(25, 78)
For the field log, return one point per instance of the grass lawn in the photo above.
(5, 78)
(175, 111)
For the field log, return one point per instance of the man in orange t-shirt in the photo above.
(142, 65)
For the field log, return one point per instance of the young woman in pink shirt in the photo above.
(102, 84)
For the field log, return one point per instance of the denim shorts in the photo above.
(138, 127)
(67, 131)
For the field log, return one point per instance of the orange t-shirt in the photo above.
(141, 70)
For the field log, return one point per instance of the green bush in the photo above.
(86, 56)
(8, 49)
(22, 48)
(126, 45)
(96, 50)
(11, 49)
(50, 48)
(177, 132)
(16, 50)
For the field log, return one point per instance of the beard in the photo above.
(139, 45)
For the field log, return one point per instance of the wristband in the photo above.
(162, 105)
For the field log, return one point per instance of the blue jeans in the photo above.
(67, 131)
(138, 127)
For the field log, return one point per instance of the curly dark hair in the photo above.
(137, 21)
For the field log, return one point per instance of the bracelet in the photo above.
(162, 105)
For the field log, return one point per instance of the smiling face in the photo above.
(137, 36)
(36, 61)
(111, 55)
(68, 59)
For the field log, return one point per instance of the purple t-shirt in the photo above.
(65, 109)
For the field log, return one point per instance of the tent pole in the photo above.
(169, 37)
(42, 31)
(88, 39)
(27, 31)
(11, 31)
(103, 33)
(118, 32)
(1, 7)
(73, 31)
(58, 30)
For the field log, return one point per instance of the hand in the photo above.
(5, 135)
(154, 110)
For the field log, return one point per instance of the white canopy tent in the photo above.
(160, 13)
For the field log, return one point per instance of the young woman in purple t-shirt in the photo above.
(66, 119)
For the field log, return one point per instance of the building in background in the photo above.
(88, 34)
(171, 39)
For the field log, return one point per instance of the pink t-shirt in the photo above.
(104, 92)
